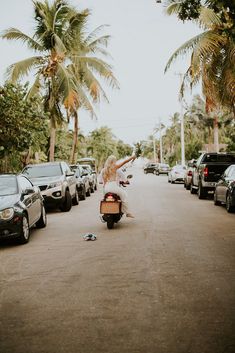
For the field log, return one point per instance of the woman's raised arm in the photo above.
(119, 165)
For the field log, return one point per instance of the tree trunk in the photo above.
(52, 142)
(73, 156)
(216, 134)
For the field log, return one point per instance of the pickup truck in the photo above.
(207, 171)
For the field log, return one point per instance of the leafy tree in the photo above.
(23, 126)
(65, 62)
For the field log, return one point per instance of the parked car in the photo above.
(225, 189)
(21, 207)
(208, 170)
(162, 168)
(82, 180)
(92, 176)
(176, 174)
(150, 168)
(189, 173)
(88, 161)
(56, 182)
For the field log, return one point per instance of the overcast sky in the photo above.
(143, 38)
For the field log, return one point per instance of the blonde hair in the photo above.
(109, 168)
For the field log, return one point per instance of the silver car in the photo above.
(176, 174)
(56, 182)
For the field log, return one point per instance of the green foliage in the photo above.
(23, 125)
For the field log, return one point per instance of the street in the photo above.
(163, 282)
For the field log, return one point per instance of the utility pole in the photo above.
(182, 124)
(154, 150)
(160, 132)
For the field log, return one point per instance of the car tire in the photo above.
(42, 222)
(76, 198)
(88, 193)
(216, 202)
(83, 196)
(192, 189)
(25, 231)
(202, 192)
(172, 181)
(92, 189)
(67, 204)
(95, 186)
(229, 207)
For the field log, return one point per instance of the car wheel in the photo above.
(83, 195)
(192, 189)
(229, 206)
(67, 202)
(42, 222)
(172, 181)
(25, 231)
(216, 202)
(202, 193)
(92, 189)
(88, 193)
(155, 172)
(95, 186)
(76, 198)
(187, 186)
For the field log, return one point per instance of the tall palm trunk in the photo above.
(216, 134)
(73, 156)
(52, 141)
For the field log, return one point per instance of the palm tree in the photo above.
(85, 65)
(212, 60)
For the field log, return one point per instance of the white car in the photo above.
(177, 173)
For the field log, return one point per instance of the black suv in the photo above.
(151, 168)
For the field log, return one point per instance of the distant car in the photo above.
(56, 182)
(83, 183)
(162, 168)
(21, 207)
(150, 168)
(189, 173)
(225, 189)
(176, 174)
(92, 176)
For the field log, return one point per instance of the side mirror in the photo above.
(129, 176)
(68, 174)
(28, 191)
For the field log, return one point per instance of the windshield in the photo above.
(40, 171)
(220, 158)
(164, 165)
(8, 185)
(89, 162)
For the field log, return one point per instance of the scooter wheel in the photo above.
(110, 224)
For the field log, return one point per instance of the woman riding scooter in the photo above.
(110, 179)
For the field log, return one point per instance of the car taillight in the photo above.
(206, 172)
(190, 173)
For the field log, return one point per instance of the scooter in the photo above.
(111, 206)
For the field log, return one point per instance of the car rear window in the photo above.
(40, 171)
(218, 158)
(8, 185)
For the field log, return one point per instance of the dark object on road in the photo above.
(89, 236)
(225, 189)
(21, 207)
(208, 170)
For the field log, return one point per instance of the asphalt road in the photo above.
(163, 282)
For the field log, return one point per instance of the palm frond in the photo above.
(16, 34)
(35, 88)
(208, 18)
(66, 81)
(22, 68)
(103, 69)
(173, 8)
